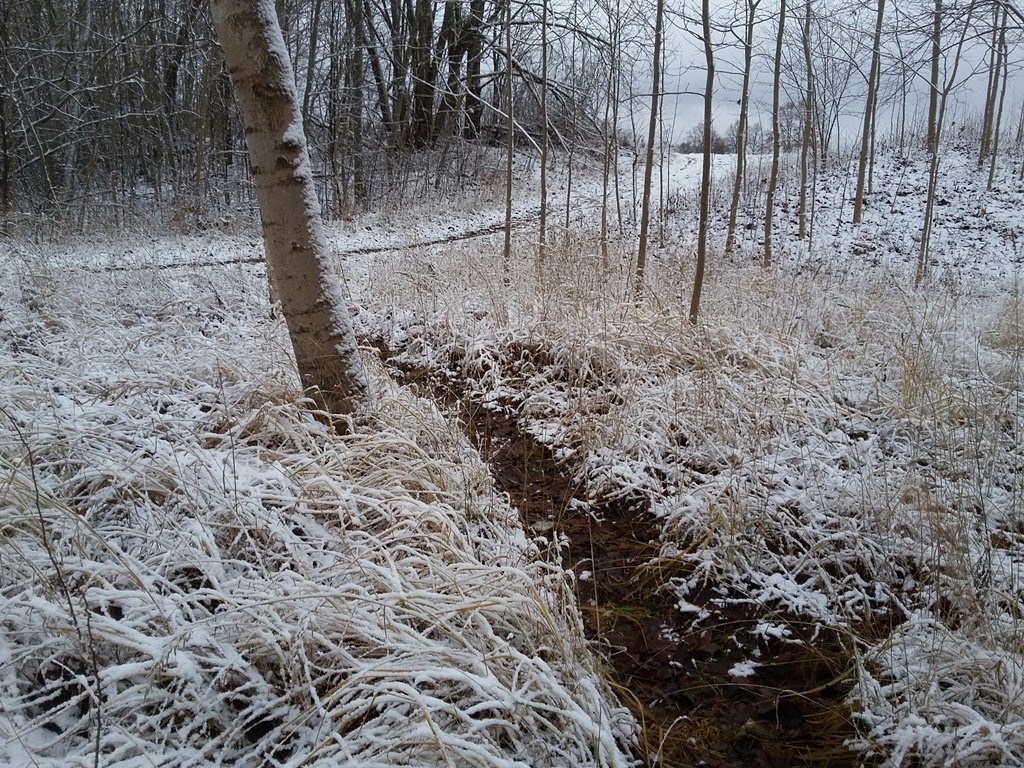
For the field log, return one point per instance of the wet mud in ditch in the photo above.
(675, 671)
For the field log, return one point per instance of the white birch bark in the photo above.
(308, 287)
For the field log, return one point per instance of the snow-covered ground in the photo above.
(194, 570)
(829, 446)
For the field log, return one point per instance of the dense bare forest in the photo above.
(113, 109)
(116, 111)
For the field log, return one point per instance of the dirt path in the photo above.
(678, 672)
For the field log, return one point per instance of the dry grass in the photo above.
(194, 571)
(829, 445)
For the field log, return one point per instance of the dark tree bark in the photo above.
(705, 181)
(773, 178)
(869, 113)
(808, 132)
(933, 82)
(510, 124)
(542, 235)
(474, 79)
(652, 134)
(741, 127)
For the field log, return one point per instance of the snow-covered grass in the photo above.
(829, 446)
(195, 571)
(831, 449)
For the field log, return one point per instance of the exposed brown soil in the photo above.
(670, 668)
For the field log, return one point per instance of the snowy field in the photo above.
(193, 571)
(196, 572)
(829, 448)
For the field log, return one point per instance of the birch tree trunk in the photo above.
(300, 273)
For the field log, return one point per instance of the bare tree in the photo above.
(506, 253)
(835, 64)
(543, 224)
(933, 82)
(6, 160)
(610, 143)
(940, 95)
(315, 25)
(705, 180)
(869, 113)
(354, 77)
(773, 178)
(652, 134)
(741, 127)
(995, 67)
(298, 264)
(1004, 63)
(808, 134)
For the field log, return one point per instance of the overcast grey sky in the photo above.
(685, 72)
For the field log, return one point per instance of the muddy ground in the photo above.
(675, 670)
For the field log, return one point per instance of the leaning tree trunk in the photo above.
(301, 274)
(991, 91)
(1004, 66)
